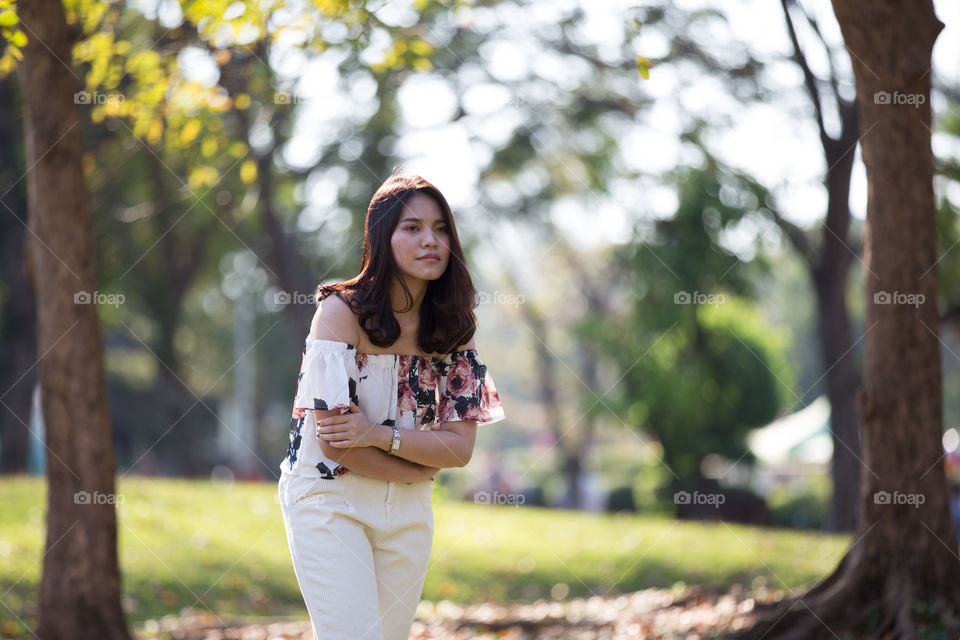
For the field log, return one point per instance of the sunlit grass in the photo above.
(186, 543)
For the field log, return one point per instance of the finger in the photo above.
(338, 427)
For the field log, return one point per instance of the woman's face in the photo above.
(421, 241)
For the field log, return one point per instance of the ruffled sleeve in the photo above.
(466, 390)
(328, 376)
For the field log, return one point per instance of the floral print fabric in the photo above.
(406, 391)
(467, 391)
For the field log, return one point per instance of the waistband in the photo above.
(351, 480)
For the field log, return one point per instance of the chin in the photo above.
(429, 270)
(432, 275)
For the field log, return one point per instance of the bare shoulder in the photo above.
(334, 320)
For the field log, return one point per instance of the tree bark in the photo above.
(80, 583)
(842, 381)
(900, 578)
(829, 276)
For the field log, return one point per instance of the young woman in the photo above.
(391, 389)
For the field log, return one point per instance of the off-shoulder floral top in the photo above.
(406, 391)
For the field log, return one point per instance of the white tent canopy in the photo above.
(800, 437)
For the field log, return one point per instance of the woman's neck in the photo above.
(398, 300)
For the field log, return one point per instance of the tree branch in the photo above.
(809, 79)
(797, 236)
(826, 47)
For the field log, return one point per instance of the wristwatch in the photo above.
(395, 444)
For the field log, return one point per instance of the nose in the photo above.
(430, 239)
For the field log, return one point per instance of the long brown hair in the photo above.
(447, 319)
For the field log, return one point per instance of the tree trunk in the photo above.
(836, 338)
(80, 585)
(841, 383)
(900, 577)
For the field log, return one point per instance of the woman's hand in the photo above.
(352, 430)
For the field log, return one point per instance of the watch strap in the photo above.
(395, 443)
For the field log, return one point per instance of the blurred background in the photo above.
(643, 311)
(661, 205)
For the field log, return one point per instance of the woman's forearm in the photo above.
(372, 462)
(437, 448)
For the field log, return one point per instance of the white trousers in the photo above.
(360, 549)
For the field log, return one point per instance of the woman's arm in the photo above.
(449, 445)
(374, 463)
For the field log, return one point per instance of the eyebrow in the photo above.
(440, 221)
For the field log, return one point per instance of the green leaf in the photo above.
(643, 66)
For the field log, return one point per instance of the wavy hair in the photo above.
(447, 319)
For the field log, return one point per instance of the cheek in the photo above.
(399, 246)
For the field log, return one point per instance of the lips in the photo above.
(430, 258)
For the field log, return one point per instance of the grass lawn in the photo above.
(187, 543)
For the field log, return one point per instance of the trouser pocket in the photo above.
(294, 490)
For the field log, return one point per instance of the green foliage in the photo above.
(11, 36)
(131, 70)
(700, 365)
(947, 219)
